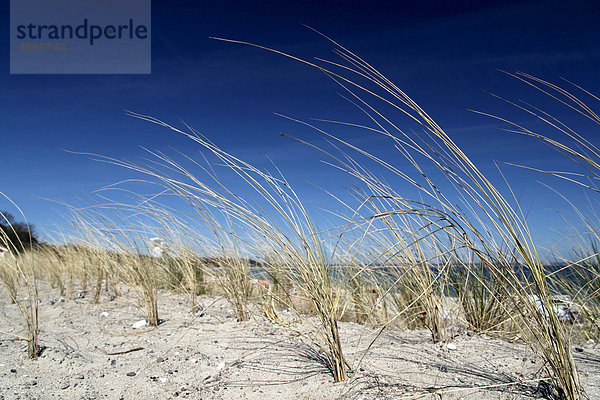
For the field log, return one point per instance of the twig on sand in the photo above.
(116, 353)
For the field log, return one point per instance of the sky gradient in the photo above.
(445, 55)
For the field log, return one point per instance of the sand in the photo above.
(208, 355)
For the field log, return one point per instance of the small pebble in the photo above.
(139, 324)
(451, 346)
(130, 374)
(64, 386)
(160, 359)
(579, 349)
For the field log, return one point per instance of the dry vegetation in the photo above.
(391, 263)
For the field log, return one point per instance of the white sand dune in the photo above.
(92, 352)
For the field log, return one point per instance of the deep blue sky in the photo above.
(446, 55)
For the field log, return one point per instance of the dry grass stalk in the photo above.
(287, 233)
(18, 270)
(502, 225)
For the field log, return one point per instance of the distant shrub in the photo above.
(16, 236)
